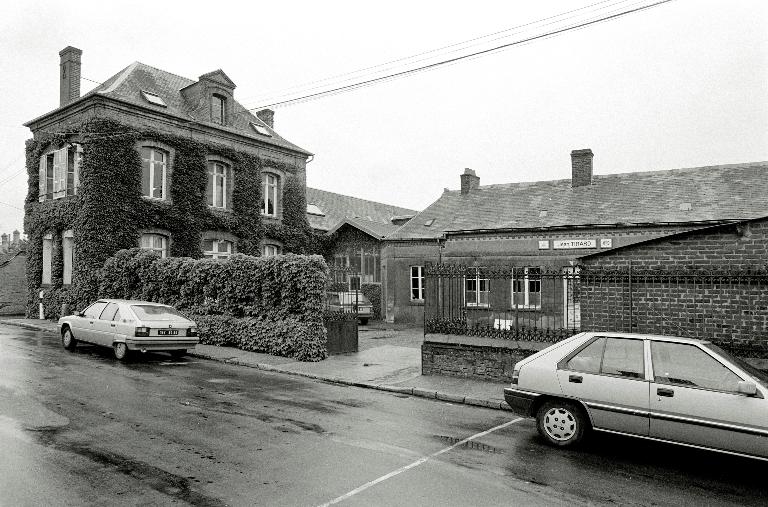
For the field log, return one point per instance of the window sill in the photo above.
(526, 308)
(218, 208)
(485, 306)
(417, 302)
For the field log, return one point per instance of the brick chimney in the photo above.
(4, 241)
(16, 237)
(267, 116)
(469, 181)
(581, 167)
(69, 89)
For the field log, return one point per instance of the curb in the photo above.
(411, 391)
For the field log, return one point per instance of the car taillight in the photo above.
(192, 331)
(142, 331)
(515, 375)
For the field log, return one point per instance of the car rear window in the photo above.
(152, 312)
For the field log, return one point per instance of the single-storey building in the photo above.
(544, 227)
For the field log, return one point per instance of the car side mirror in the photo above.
(78, 314)
(747, 388)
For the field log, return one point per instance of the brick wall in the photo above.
(13, 284)
(689, 297)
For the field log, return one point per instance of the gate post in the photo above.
(631, 306)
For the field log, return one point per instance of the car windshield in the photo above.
(759, 375)
(154, 312)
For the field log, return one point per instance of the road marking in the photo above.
(417, 463)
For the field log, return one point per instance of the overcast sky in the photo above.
(680, 85)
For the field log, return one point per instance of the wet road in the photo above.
(82, 429)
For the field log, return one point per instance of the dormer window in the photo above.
(260, 129)
(219, 109)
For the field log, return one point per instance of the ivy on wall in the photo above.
(108, 213)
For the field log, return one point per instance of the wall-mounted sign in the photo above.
(566, 244)
(606, 243)
(544, 244)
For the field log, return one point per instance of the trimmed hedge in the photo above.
(290, 337)
(266, 304)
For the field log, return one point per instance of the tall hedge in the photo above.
(268, 304)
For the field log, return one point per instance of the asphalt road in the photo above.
(83, 429)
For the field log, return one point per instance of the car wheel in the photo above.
(121, 351)
(561, 423)
(179, 353)
(364, 320)
(68, 339)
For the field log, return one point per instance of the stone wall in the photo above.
(472, 357)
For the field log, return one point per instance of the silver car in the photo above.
(678, 390)
(126, 326)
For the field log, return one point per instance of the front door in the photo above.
(695, 400)
(104, 326)
(87, 328)
(608, 375)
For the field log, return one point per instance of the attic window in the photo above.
(153, 99)
(429, 222)
(685, 206)
(260, 129)
(313, 209)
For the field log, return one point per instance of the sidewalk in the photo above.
(388, 359)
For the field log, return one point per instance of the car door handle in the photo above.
(91, 322)
(669, 393)
(576, 379)
(111, 325)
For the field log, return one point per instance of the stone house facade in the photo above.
(154, 160)
(547, 226)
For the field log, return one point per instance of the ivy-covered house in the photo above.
(154, 160)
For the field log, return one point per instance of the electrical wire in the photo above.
(11, 206)
(377, 80)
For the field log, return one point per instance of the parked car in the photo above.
(678, 390)
(349, 302)
(128, 326)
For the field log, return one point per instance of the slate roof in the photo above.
(128, 84)
(701, 194)
(369, 216)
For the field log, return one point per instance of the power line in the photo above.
(436, 50)
(396, 75)
(11, 206)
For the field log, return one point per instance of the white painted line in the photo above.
(416, 463)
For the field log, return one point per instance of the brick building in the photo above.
(180, 167)
(710, 282)
(546, 226)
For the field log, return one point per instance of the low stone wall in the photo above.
(13, 284)
(474, 357)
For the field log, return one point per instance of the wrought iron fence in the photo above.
(527, 303)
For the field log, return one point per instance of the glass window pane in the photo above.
(152, 312)
(109, 312)
(688, 365)
(623, 357)
(588, 360)
(93, 311)
(209, 190)
(157, 181)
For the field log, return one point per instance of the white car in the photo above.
(126, 326)
(678, 390)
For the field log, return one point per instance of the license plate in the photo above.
(167, 332)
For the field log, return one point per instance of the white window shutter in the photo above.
(42, 178)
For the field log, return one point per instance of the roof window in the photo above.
(261, 129)
(153, 99)
(429, 222)
(313, 209)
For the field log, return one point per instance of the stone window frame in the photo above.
(271, 243)
(229, 180)
(222, 106)
(280, 179)
(219, 236)
(170, 159)
(165, 251)
(47, 262)
(64, 188)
